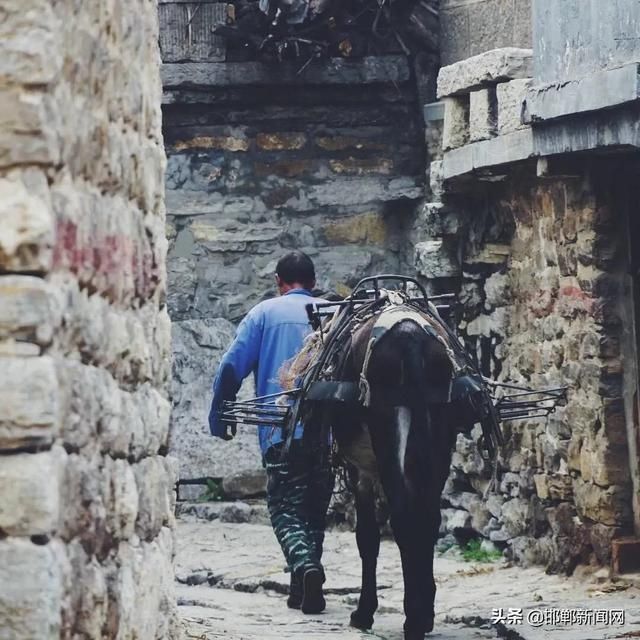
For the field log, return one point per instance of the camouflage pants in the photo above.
(298, 492)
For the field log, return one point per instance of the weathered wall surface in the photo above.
(574, 38)
(86, 514)
(332, 165)
(541, 283)
(470, 27)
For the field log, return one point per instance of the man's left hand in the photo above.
(230, 431)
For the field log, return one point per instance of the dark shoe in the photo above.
(312, 598)
(294, 601)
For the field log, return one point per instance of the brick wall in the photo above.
(86, 513)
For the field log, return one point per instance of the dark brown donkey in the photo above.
(399, 438)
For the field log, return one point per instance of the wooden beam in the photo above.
(336, 71)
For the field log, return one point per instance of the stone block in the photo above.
(511, 96)
(489, 254)
(485, 69)
(362, 166)
(491, 25)
(245, 485)
(604, 464)
(27, 309)
(29, 44)
(517, 517)
(198, 346)
(482, 114)
(87, 587)
(27, 129)
(27, 230)
(437, 258)
(30, 590)
(496, 289)
(29, 397)
(456, 123)
(610, 505)
(84, 513)
(120, 496)
(155, 501)
(625, 555)
(365, 229)
(281, 141)
(436, 180)
(30, 485)
(139, 589)
(454, 22)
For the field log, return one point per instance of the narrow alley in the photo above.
(231, 584)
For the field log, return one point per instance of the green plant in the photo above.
(473, 552)
(213, 492)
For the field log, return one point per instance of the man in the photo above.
(299, 486)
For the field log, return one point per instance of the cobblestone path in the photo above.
(231, 585)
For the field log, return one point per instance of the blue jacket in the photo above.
(271, 333)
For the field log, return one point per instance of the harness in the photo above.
(323, 384)
(322, 387)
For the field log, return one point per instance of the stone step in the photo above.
(249, 511)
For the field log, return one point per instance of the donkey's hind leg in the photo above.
(415, 537)
(368, 539)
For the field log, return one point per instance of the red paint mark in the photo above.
(577, 293)
(114, 265)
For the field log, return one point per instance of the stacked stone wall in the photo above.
(86, 516)
(254, 171)
(542, 285)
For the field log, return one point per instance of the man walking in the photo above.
(299, 486)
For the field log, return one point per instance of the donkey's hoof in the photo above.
(361, 620)
(418, 633)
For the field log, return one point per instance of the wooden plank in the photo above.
(186, 31)
(335, 71)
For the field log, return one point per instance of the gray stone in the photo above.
(454, 519)
(517, 516)
(28, 311)
(454, 25)
(491, 67)
(198, 346)
(496, 288)
(437, 258)
(247, 484)
(573, 39)
(333, 71)
(30, 589)
(29, 400)
(483, 117)
(456, 123)
(154, 488)
(235, 512)
(511, 98)
(30, 484)
(511, 147)
(435, 180)
(600, 90)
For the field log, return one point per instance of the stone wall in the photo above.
(264, 160)
(575, 38)
(470, 27)
(86, 515)
(542, 288)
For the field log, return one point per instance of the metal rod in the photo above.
(271, 395)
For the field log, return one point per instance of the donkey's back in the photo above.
(400, 438)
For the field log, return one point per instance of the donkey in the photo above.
(401, 439)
